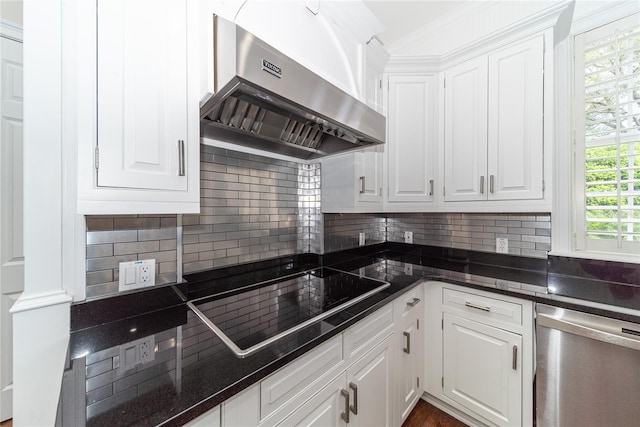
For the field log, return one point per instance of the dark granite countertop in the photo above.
(194, 371)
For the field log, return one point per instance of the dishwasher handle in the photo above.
(572, 327)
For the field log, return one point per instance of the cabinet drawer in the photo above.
(287, 383)
(367, 333)
(407, 303)
(482, 306)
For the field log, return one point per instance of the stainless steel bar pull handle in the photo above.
(345, 415)
(181, 168)
(413, 302)
(515, 358)
(431, 187)
(354, 407)
(362, 185)
(482, 184)
(476, 306)
(491, 184)
(407, 349)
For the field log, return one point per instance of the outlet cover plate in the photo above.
(408, 236)
(502, 245)
(136, 353)
(136, 274)
(361, 239)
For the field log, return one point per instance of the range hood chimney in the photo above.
(266, 100)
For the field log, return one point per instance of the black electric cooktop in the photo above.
(260, 314)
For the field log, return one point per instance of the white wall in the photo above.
(11, 10)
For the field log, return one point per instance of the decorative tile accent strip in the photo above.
(252, 208)
(529, 234)
(115, 239)
(341, 231)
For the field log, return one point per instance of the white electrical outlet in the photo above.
(408, 269)
(361, 239)
(502, 245)
(408, 236)
(137, 274)
(137, 353)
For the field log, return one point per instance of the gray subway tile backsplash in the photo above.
(254, 208)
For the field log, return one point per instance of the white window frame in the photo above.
(582, 242)
(565, 186)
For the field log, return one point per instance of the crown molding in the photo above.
(609, 12)
(413, 64)
(528, 26)
(11, 30)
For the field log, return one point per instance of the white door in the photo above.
(142, 94)
(369, 383)
(482, 368)
(465, 131)
(411, 138)
(515, 127)
(11, 226)
(324, 409)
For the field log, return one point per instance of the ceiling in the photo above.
(402, 18)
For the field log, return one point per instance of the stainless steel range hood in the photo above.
(265, 100)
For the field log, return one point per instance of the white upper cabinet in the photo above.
(515, 163)
(411, 143)
(142, 86)
(138, 117)
(465, 131)
(493, 125)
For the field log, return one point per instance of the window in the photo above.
(607, 134)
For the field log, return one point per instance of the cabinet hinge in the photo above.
(543, 187)
(442, 325)
(418, 382)
(417, 323)
(442, 382)
(380, 84)
(97, 157)
(445, 82)
(444, 191)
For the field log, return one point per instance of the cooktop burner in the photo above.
(257, 316)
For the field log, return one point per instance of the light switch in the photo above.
(130, 275)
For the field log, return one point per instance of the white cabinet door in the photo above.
(482, 368)
(465, 131)
(408, 353)
(411, 144)
(369, 174)
(515, 129)
(142, 94)
(352, 182)
(369, 384)
(325, 408)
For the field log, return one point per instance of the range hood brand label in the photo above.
(271, 68)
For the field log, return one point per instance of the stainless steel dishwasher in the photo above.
(588, 370)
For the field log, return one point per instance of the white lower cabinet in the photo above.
(408, 352)
(358, 397)
(483, 369)
(480, 354)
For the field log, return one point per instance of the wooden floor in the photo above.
(427, 415)
(8, 423)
